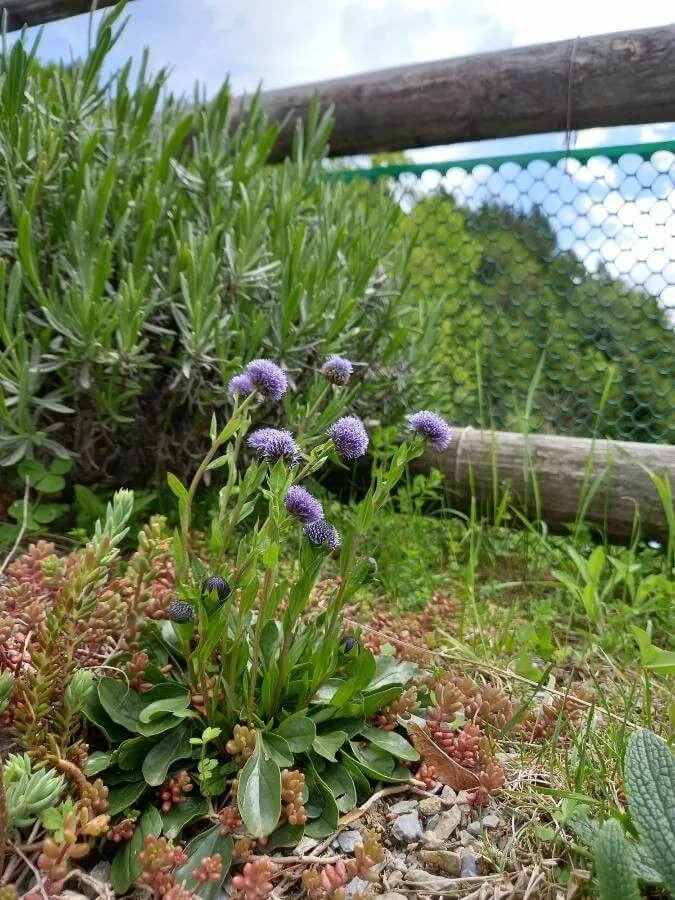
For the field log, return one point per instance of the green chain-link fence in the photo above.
(561, 259)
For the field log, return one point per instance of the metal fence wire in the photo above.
(554, 275)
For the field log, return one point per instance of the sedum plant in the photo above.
(148, 248)
(253, 710)
(28, 792)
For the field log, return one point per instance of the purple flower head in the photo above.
(217, 584)
(240, 384)
(272, 444)
(302, 505)
(322, 533)
(431, 426)
(337, 370)
(267, 378)
(181, 612)
(349, 436)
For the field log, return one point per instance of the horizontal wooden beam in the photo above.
(556, 474)
(625, 78)
(37, 12)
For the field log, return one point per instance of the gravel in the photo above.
(407, 828)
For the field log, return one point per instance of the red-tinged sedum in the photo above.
(255, 880)
(174, 791)
(327, 882)
(242, 744)
(427, 775)
(122, 831)
(229, 819)
(402, 708)
(209, 869)
(158, 858)
(292, 787)
(367, 855)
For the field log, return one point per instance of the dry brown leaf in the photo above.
(446, 769)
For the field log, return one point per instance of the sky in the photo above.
(278, 43)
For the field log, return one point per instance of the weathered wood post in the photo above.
(555, 473)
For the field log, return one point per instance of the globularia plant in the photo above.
(253, 706)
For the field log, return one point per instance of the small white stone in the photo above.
(492, 821)
(448, 795)
(465, 839)
(305, 845)
(348, 841)
(468, 869)
(447, 823)
(407, 828)
(356, 885)
(403, 806)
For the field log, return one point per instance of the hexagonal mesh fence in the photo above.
(553, 277)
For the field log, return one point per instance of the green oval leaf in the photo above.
(205, 844)
(327, 745)
(392, 742)
(97, 762)
(321, 797)
(50, 484)
(259, 792)
(279, 750)
(176, 745)
(298, 731)
(378, 765)
(341, 785)
(173, 705)
(181, 813)
(123, 797)
(285, 836)
(360, 672)
(131, 754)
(613, 864)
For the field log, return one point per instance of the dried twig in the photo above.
(39, 883)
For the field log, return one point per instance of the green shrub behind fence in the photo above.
(570, 257)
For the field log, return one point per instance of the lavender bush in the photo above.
(148, 250)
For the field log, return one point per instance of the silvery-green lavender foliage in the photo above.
(146, 249)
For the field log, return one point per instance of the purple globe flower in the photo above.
(432, 427)
(240, 384)
(337, 370)
(322, 534)
(181, 612)
(349, 436)
(267, 378)
(272, 444)
(302, 505)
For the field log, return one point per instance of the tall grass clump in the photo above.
(147, 249)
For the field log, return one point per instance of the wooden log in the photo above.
(560, 471)
(37, 12)
(625, 78)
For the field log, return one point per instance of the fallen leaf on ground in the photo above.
(446, 769)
